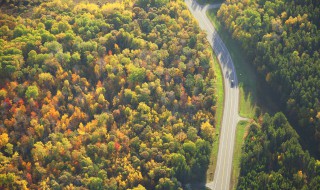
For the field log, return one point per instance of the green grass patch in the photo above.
(219, 89)
(219, 112)
(240, 131)
(247, 105)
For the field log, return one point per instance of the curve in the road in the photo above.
(222, 175)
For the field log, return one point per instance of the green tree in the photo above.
(136, 75)
(180, 167)
(32, 92)
(95, 183)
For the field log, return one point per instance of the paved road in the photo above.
(222, 175)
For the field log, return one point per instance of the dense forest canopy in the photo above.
(104, 96)
(283, 40)
(272, 158)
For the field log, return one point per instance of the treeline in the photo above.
(272, 158)
(21, 3)
(18, 6)
(117, 96)
(283, 40)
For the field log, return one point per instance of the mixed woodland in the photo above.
(282, 38)
(272, 158)
(115, 95)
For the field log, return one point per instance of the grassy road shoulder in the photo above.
(240, 133)
(219, 89)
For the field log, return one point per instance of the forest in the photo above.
(282, 38)
(115, 95)
(272, 158)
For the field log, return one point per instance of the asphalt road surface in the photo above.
(222, 175)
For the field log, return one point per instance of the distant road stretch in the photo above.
(222, 175)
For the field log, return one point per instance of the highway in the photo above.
(222, 175)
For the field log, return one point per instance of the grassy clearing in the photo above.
(241, 129)
(219, 112)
